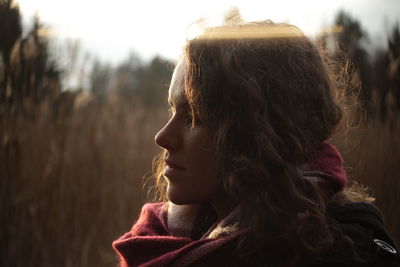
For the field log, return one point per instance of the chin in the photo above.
(180, 198)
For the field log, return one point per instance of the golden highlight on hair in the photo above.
(249, 31)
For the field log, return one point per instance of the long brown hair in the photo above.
(264, 93)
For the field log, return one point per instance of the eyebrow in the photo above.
(181, 105)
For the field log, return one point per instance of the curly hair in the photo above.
(264, 93)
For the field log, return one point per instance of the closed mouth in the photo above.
(174, 165)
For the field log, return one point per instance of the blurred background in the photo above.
(83, 88)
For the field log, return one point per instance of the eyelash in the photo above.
(187, 118)
(185, 115)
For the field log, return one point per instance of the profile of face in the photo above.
(190, 156)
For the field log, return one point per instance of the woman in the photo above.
(246, 176)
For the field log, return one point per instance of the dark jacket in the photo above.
(364, 225)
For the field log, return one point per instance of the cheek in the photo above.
(204, 162)
(200, 182)
(204, 168)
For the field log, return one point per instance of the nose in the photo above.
(167, 137)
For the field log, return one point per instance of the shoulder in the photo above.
(363, 221)
(152, 220)
(153, 208)
(363, 224)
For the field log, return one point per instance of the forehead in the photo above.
(176, 93)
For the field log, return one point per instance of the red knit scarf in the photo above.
(150, 243)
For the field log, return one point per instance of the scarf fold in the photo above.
(150, 243)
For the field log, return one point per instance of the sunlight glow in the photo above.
(113, 28)
(251, 32)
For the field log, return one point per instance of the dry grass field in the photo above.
(69, 187)
(372, 158)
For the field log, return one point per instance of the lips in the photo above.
(174, 165)
(172, 168)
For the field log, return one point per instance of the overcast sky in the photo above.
(111, 29)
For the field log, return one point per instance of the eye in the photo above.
(189, 119)
(184, 114)
(186, 117)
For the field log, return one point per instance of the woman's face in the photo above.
(190, 160)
